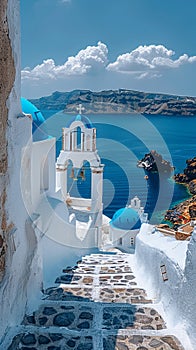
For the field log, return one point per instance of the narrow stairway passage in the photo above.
(96, 306)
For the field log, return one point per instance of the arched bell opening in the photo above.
(79, 186)
(84, 180)
(79, 180)
(71, 178)
(78, 138)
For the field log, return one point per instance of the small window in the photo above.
(132, 241)
(120, 241)
(44, 175)
(164, 273)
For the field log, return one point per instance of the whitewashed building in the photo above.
(126, 224)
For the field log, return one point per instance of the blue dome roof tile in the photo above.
(39, 134)
(126, 219)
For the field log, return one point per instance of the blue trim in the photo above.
(38, 132)
(81, 118)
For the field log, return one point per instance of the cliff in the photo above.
(188, 176)
(185, 211)
(182, 213)
(118, 102)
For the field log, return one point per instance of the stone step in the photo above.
(116, 269)
(48, 340)
(69, 294)
(109, 268)
(140, 342)
(124, 295)
(51, 341)
(103, 262)
(102, 280)
(81, 316)
(98, 306)
(106, 258)
(72, 316)
(132, 317)
(75, 279)
(108, 294)
(115, 279)
(83, 268)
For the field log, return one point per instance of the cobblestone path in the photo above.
(96, 306)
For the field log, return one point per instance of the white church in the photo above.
(69, 226)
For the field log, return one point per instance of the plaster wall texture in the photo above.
(125, 235)
(42, 165)
(177, 294)
(17, 239)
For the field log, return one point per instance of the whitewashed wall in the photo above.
(126, 236)
(21, 240)
(177, 293)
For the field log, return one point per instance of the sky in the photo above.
(146, 45)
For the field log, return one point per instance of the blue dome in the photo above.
(81, 118)
(126, 219)
(38, 133)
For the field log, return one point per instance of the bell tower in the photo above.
(79, 146)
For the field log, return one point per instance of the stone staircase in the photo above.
(97, 306)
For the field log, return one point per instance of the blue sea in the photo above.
(121, 141)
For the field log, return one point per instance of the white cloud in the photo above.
(43, 70)
(143, 62)
(148, 61)
(91, 59)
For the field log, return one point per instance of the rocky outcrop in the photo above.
(154, 162)
(188, 176)
(185, 211)
(118, 102)
(192, 187)
(182, 213)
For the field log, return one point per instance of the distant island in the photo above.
(153, 162)
(118, 102)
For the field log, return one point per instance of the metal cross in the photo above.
(80, 108)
